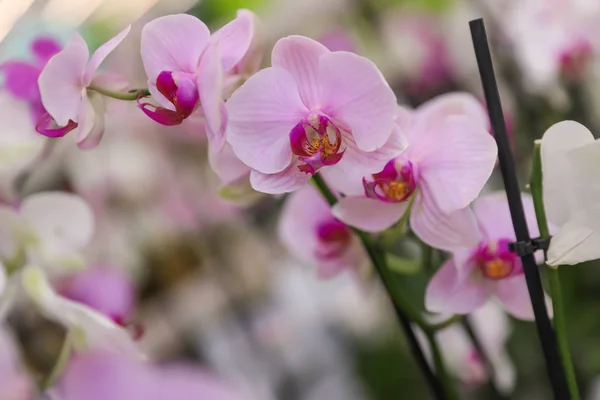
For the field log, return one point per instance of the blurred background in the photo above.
(212, 282)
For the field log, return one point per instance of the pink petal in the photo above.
(100, 55)
(44, 48)
(20, 80)
(61, 81)
(173, 43)
(448, 293)
(300, 56)
(91, 122)
(456, 158)
(110, 81)
(515, 297)
(210, 87)
(225, 164)
(370, 215)
(446, 105)
(261, 115)
(443, 231)
(235, 39)
(367, 106)
(494, 218)
(301, 215)
(288, 180)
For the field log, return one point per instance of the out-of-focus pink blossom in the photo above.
(300, 115)
(472, 275)
(449, 158)
(64, 84)
(551, 37)
(338, 40)
(311, 233)
(21, 77)
(416, 44)
(99, 376)
(105, 289)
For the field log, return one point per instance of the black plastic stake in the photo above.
(511, 185)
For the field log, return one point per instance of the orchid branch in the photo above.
(553, 274)
(129, 96)
(441, 384)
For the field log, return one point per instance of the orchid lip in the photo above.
(317, 142)
(47, 127)
(180, 89)
(394, 184)
(494, 259)
(334, 236)
(159, 114)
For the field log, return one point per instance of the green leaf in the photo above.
(405, 266)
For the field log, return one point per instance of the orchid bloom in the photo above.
(551, 37)
(89, 328)
(21, 77)
(489, 268)
(312, 108)
(492, 326)
(312, 234)
(65, 85)
(48, 229)
(449, 158)
(99, 376)
(187, 68)
(571, 192)
(106, 290)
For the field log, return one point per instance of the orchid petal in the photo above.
(44, 48)
(300, 56)
(235, 38)
(226, 165)
(91, 121)
(173, 43)
(20, 80)
(577, 241)
(367, 107)
(456, 159)
(261, 115)
(100, 55)
(560, 198)
(448, 293)
(288, 180)
(440, 230)
(210, 87)
(370, 215)
(93, 329)
(61, 81)
(63, 222)
(514, 295)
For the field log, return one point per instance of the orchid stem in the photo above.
(553, 274)
(441, 385)
(129, 96)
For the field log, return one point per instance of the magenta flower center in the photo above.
(334, 238)
(317, 142)
(575, 59)
(495, 260)
(395, 184)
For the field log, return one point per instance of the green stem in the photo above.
(129, 96)
(378, 259)
(61, 362)
(553, 275)
(440, 367)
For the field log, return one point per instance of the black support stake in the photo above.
(511, 185)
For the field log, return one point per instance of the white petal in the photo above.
(577, 241)
(93, 330)
(560, 200)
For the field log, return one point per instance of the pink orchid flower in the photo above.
(312, 108)
(106, 290)
(449, 158)
(188, 68)
(472, 275)
(21, 77)
(64, 87)
(312, 234)
(101, 376)
(14, 382)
